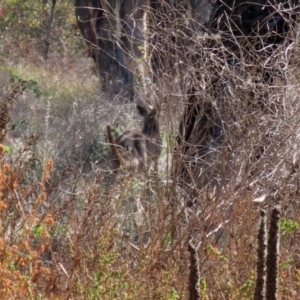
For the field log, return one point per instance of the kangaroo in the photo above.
(136, 149)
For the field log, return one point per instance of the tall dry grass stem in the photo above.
(272, 262)
(260, 285)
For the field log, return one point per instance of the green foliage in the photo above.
(108, 281)
(24, 24)
(24, 17)
(18, 124)
(7, 149)
(214, 253)
(247, 289)
(173, 295)
(168, 239)
(37, 231)
(29, 84)
(288, 226)
(203, 288)
(287, 264)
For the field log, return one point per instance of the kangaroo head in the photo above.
(150, 114)
(136, 148)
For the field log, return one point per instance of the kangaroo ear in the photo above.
(142, 110)
(153, 111)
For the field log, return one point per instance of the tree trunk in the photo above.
(100, 26)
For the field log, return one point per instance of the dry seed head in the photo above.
(34, 221)
(6, 169)
(3, 205)
(49, 165)
(25, 245)
(34, 255)
(42, 198)
(48, 169)
(49, 220)
(45, 234)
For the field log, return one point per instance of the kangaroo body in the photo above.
(136, 149)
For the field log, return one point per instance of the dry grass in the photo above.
(67, 232)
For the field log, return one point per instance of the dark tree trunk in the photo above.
(99, 27)
(251, 32)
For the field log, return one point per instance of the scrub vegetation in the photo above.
(70, 228)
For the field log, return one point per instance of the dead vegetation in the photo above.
(69, 233)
